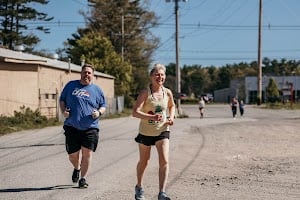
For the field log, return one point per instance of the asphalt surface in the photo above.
(35, 166)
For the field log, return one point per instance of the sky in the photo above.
(211, 32)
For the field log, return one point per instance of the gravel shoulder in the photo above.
(252, 157)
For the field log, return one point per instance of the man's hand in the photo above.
(96, 114)
(67, 113)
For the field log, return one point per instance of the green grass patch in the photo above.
(23, 120)
(27, 119)
(125, 113)
(279, 105)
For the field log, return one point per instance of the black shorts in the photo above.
(76, 138)
(151, 140)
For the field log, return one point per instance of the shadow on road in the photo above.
(33, 145)
(57, 187)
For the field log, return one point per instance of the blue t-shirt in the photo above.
(82, 100)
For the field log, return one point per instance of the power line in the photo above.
(232, 52)
(230, 27)
(185, 26)
(242, 59)
(58, 23)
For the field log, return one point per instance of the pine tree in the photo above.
(127, 25)
(272, 91)
(98, 51)
(14, 18)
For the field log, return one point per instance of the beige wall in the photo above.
(37, 86)
(18, 87)
(107, 85)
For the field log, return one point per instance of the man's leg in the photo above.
(74, 159)
(85, 161)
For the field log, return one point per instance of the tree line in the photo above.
(117, 40)
(197, 79)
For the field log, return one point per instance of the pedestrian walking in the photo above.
(234, 106)
(201, 107)
(82, 103)
(242, 108)
(152, 107)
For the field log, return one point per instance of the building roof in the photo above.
(20, 57)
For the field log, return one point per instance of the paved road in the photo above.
(35, 166)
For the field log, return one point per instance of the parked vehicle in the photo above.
(183, 96)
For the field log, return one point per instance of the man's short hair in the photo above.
(88, 65)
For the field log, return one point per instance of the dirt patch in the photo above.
(250, 159)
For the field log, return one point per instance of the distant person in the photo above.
(201, 107)
(234, 106)
(242, 108)
(156, 108)
(82, 103)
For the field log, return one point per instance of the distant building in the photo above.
(288, 86)
(36, 82)
(246, 89)
(224, 95)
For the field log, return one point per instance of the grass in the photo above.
(279, 105)
(125, 113)
(27, 119)
(23, 120)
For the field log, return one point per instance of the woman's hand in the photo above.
(170, 121)
(157, 117)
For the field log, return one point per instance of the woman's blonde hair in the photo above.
(157, 67)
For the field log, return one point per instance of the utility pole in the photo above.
(122, 35)
(178, 76)
(259, 59)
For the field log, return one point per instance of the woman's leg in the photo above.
(142, 163)
(162, 147)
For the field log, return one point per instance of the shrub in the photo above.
(24, 119)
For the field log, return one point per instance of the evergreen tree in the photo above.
(13, 17)
(127, 25)
(272, 91)
(223, 78)
(95, 49)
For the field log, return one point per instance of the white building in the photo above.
(289, 87)
(246, 89)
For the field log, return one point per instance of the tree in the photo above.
(272, 91)
(171, 77)
(127, 25)
(95, 49)
(14, 17)
(223, 78)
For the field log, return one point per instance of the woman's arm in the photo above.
(136, 112)
(171, 107)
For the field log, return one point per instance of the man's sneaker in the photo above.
(82, 183)
(163, 196)
(139, 193)
(75, 175)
